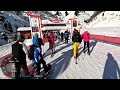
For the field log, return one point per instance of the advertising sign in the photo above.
(35, 24)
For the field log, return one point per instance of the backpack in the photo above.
(31, 52)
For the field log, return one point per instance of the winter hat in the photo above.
(36, 34)
(86, 32)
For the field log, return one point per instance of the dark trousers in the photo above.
(18, 66)
(87, 46)
(61, 38)
(52, 48)
(38, 66)
(66, 40)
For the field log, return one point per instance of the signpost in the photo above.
(35, 24)
(74, 24)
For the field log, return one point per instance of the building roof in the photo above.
(24, 29)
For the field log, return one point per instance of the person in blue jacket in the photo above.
(38, 58)
(66, 36)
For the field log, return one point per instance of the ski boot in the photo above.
(88, 53)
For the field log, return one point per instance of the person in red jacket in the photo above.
(86, 39)
(51, 42)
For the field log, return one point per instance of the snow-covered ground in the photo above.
(107, 25)
(103, 63)
(105, 31)
(106, 19)
(6, 49)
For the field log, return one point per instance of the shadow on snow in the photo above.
(60, 64)
(111, 69)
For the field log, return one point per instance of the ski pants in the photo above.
(75, 46)
(38, 66)
(18, 67)
(87, 46)
(66, 39)
(52, 49)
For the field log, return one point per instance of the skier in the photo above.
(76, 38)
(66, 35)
(38, 58)
(19, 57)
(51, 43)
(86, 38)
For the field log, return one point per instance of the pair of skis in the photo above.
(76, 59)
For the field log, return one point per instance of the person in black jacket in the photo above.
(76, 39)
(19, 57)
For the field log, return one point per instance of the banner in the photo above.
(35, 24)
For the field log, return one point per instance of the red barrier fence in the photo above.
(114, 40)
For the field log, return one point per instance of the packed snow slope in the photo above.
(103, 63)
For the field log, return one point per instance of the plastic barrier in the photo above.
(113, 40)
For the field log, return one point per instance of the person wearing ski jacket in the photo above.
(51, 42)
(66, 36)
(76, 38)
(35, 40)
(19, 57)
(86, 39)
(51, 36)
(38, 57)
(86, 36)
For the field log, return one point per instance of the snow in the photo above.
(107, 25)
(15, 20)
(110, 19)
(20, 20)
(103, 62)
(5, 49)
(106, 31)
(99, 65)
(24, 28)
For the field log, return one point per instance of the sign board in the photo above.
(74, 24)
(54, 21)
(35, 24)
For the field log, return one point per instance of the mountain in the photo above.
(106, 19)
(10, 21)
